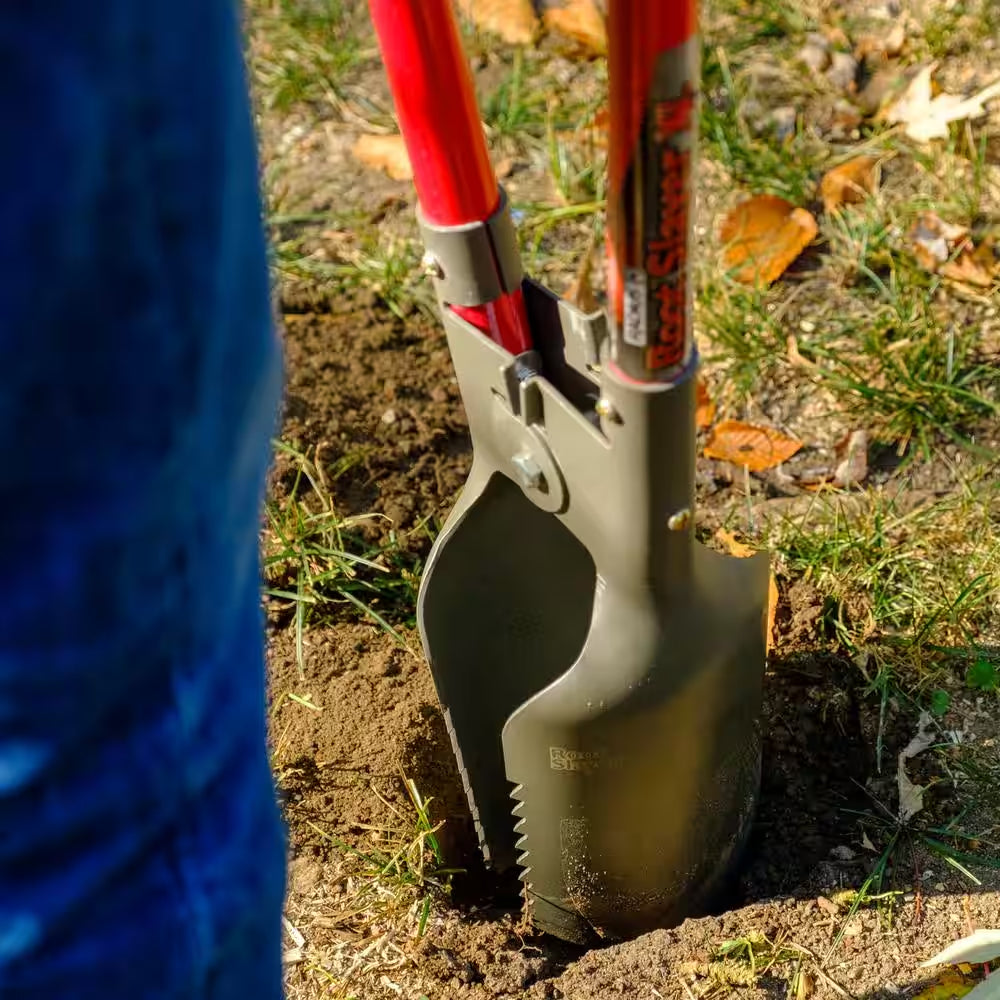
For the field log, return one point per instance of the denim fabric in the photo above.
(141, 851)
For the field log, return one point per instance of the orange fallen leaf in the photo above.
(849, 183)
(974, 266)
(762, 236)
(743, 551)
(944, 248)
(581, 21)
(704, 412)
(384, 152)
(513, 20)
(733, 545)
(756, 448)
(934, 240)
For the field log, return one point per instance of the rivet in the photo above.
(431, 266)
(605, 408)
(680, 520)
(529, 473)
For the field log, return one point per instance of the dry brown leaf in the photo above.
(849, 183)
(887, 46)
(581, 21)
(384, 152)
(925, 116)
(581, 289)
(743, 551)
(934, 240)
(974, 266)
(795, 355)
(513, 20)
(757, 448)
(733, 545)
(704, 412)
(762, 236)
(944, 248)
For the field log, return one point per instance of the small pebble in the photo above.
(843, 70)
(814, 57)
(784, 119)
(389, 417)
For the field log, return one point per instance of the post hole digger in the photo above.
(600, 671)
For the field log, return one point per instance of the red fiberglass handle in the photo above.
(435, 102)
(653, 73)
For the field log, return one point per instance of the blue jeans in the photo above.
(141, 850)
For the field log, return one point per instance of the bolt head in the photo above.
(431, 265)
(679, 521)
(528, 472)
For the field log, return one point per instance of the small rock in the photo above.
(939, 886)
(389, 417)
(843, 853)
(783, 120)
(842, 71)
(827, 905)
(894, 41)
(814, 57)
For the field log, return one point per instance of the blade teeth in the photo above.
(521, 843)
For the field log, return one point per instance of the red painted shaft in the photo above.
(652, 68)
(436, 106)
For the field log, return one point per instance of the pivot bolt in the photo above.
(529, 473)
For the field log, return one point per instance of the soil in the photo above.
(373, 397)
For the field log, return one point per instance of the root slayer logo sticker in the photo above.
(588, 761)
(666, 249)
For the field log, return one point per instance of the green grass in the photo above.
(912, 581)
(404, 871)
(755, 158)
(395, 883)
(301, 51)
(387, 265)
(318, 563)
(952, 30)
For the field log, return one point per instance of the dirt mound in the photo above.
(376, 718)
